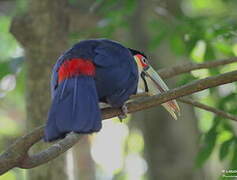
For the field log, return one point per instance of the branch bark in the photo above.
(17, 154)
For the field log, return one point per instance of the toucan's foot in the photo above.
(122, 116)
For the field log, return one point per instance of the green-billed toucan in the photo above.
(93, 71)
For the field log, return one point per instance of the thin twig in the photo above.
(208, 108)
(190, 66)
(96, 6)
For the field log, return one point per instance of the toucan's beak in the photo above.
(156, 86)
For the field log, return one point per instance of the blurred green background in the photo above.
(149, 145)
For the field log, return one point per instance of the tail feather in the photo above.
(74, 96)
(74, 108)
(63, 88)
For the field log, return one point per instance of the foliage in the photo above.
(12, 113)
(204, 30)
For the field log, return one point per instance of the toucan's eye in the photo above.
(144, 60)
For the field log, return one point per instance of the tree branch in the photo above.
(17, 154)
(190, 66)
(208, 108)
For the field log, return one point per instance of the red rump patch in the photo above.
(75, 67)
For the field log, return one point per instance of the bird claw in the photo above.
(122, 116)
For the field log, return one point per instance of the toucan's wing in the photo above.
(116, 72)
(110, 53)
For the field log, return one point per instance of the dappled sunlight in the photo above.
(113, 155)
(8, 83)
(202, 94)
(194, 8)
(19, 52)
(8, 126)
(135, 166)
(8, 176)
(135, 142)
(205, 120)
(229, 67)
(198, 52)
(108, 146)
(226, 89)
(201, 73)
(235, 49)
(70, 165)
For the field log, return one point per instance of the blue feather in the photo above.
(64, 85)
(74, 96)
(75, 100)
(77, 111)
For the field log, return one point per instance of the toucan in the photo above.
(94, 71)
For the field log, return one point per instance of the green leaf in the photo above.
(177, 44)
(207, 149)
(210, 52)
(8, 176)
(226, 99)
(8, 43)
(234, 49)
(224, 48)
(11, 66)
(224, 149)
(156, 41)
(4, 69)
(227, 126)
(234, 158)
(186, 78)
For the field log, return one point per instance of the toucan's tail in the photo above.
(74, 109)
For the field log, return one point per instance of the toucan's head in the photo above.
(151, 82)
